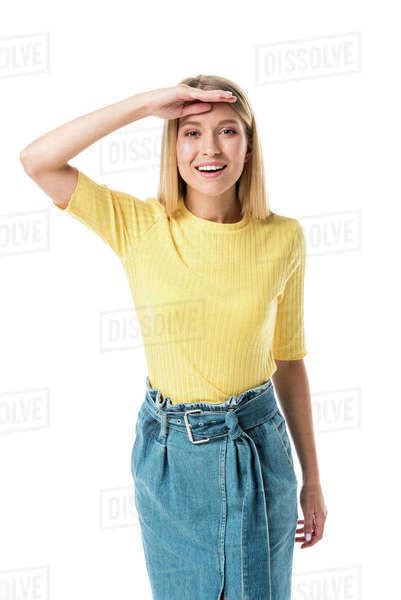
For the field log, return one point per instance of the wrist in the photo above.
(311, 477)
(140, 106)
(311, 480)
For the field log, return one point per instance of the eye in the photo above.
(188, 133)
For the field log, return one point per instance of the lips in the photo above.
(211, 174)
(221, 168)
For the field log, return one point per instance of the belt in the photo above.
(251, 408)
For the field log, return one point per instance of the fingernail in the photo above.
(308, 537)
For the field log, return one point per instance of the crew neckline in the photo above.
(208, 225)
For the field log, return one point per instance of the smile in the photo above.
(210, 174)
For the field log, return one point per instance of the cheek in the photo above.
(185, 151)
(235, 149)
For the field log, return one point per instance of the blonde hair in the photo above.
(250, 187)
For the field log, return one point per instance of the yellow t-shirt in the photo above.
(216, 302)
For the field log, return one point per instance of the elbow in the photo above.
(28, 162)
(25, 159)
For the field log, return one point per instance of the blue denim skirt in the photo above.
(216, 496)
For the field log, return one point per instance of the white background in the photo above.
(330, 136)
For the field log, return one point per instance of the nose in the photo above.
(210, 147)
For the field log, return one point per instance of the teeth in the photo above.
(210, 168)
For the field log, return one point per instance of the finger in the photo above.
(300, 531)
(313, 541)
(300, 537)
(314, 538)
(318, 528)
(195, 108)
(308, 525)
(214, 95)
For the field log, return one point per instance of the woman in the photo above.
(217, 281)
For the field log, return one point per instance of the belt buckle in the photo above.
(188, 426)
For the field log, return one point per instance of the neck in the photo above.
(223, 208)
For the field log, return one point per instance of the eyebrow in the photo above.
(219, 123)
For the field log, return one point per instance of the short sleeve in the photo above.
(119, 218)
(289, 334)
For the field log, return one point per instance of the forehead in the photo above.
(220, 113)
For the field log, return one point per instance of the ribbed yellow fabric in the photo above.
(216, 302)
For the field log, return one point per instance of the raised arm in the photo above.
(45, 159)
(121, 219)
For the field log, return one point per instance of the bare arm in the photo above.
(46, 159)
(291, 381)
(292, 386)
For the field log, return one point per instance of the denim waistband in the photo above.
(203, 421)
